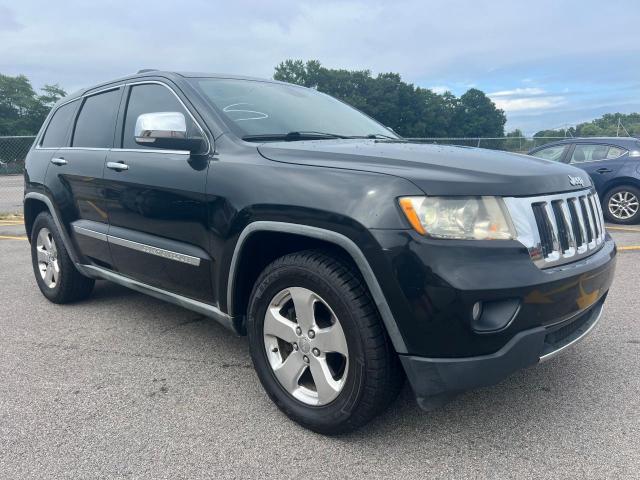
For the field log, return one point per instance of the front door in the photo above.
(156, 203)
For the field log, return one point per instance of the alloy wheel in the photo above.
(623, 205)
(47, 258)
(306, 346)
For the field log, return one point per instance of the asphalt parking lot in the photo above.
(11, 193)
(125, 386)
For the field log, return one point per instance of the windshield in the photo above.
(262, 109)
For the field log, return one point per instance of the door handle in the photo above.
(604, 170)
(117, 166)
(58, 161)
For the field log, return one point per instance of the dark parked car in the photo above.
(347, 255)
(614, 166)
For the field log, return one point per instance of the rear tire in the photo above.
(622, 205)
(349, 342)
(56, 275)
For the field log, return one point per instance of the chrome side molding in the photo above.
(140, 247)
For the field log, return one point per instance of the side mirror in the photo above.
(166, 130)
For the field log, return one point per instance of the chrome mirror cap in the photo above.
(151, 126)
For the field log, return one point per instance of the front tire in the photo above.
(622, 205)
(318, 343)
(56, 275)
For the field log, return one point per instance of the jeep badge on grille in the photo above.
(575, 181)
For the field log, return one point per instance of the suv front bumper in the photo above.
(435, 380)
(437, 284)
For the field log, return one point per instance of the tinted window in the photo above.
(551, 153)
(56, 133)
(595, 152)
(97, 120)
(149, 98)
(615, 152)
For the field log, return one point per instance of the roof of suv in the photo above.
(165, 73)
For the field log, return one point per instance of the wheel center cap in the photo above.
(305, 345)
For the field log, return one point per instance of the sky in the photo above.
(548, 64)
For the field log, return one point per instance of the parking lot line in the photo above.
(629, 248)
(624, 229)
(11, 237)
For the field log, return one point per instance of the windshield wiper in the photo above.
(378, 136)
(291, 136)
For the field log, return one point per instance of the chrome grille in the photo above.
(558, 229)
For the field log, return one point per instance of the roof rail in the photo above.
(145, 70)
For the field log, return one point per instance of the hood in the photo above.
(436, 169)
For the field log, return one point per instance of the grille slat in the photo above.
(578, 226)
(566, 214)
(563, 230)
(595, 214)
(544, 229)
(589, 223)
(582, 222)
(559, 228)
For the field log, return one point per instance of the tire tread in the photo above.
(384, 374)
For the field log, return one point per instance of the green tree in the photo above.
(477, 116)
(610, 124)
(22, 110)
(516, 142)
(409, 110)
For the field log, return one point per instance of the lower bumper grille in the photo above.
(557, 340)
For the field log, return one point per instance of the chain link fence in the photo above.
(508, 144)
(13, 151)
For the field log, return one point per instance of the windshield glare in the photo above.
(262, 108)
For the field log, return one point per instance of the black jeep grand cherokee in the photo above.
(347, 255)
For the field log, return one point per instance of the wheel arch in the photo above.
(619, 182)
(36, 203)
(246, 264)
(32, 208)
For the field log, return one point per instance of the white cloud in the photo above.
(529, 91)
(528, 98)
(440, 89)
(517, 104)
(87, 42)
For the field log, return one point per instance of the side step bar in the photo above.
(185, 302)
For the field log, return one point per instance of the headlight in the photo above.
(467, 218)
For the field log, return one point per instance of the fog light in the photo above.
(494, 316)
(476, 311)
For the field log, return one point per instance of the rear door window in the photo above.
(595, 152)
(56, 133)
(96, 123)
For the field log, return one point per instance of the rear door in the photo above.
(55, 136)
(601, 161)
(75, 178)
(156, 201)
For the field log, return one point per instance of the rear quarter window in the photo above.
(56, 133)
